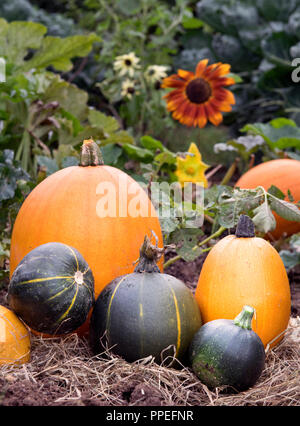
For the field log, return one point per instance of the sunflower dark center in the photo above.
(198, 90)
(128, 62)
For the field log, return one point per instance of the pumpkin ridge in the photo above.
(70, 306)
(177, 316)
(88, 288)
(62, 291)
(141, 314)
(42, 279)
(110, 303)
(74, 254)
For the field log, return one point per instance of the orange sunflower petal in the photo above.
(179, 112)
(187, 115)
(221, 106)
(223, 81)
(172, 81)
(174, 102)
(201, 67)
(186, 75)
(215, 117)
(191, 115)
(201, 118)
(220, 71)
(225, 96)
(209, 69)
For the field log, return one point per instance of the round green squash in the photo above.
(145, 313)
(52, 289)
(228, 352)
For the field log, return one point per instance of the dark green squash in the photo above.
(228, 352)
(145, 313)
(52, 289)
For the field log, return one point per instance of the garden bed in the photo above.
(63, 372)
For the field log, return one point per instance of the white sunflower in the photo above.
(128, 88)
(126, 64)
(155, 73)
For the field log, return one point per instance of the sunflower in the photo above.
(199, 96)
(126, 64)
(128, 88)
(155, 73)
(191, 168)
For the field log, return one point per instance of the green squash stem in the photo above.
(244, 318)
(90, 154)
(245, 227)
(149, 256)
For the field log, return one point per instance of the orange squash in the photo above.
(14, 339)
(243, 270)
(283, 173)
(69, 207)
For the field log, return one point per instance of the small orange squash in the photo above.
(240, 270)
(14, 339)
(69, 207)
(283, 173)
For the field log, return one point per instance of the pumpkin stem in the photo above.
(245, 227)
(244, 318)
(149, 256)
(90, 154)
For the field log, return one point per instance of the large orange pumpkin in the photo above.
(70, 207)
(283, 173)
(243, 270)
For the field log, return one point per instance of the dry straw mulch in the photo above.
(63, 372)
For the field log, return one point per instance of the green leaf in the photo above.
(10, 174)
(129, 7)
(17, 37)
(168, 224)
(227, 215)
(186, 239)
(276, 48)
(290, 258)
(49, 163)
(276, 11)
(279, 122)
(273, 190)
(121, 137)
(58, 52)
(264, 219)
(69, 97)
(107, 123)
(247, 200)
(236, 77)
(151, 143)
(69, 161)
(191, 23)
(282, 136)
(111, 153)
(247, 144)
(165, 157)
(137, 153)
(285, 209)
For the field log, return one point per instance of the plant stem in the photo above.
(201, 243)
(230, 172)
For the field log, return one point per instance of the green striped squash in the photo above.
(52, 289)
(144, 313)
